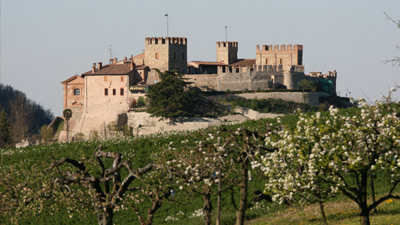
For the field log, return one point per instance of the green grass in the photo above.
(142, 148)
(339, 209)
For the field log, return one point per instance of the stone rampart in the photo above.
(300, 97)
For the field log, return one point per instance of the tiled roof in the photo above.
(142, 67)
(71, 79)
(207, 63)
(111, 69)
(244, 62)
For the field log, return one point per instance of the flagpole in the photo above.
(226, 33)
(167, 24)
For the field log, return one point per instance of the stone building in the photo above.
(99, 95)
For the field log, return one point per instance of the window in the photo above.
(122, 79)
(280, 61)
(121, 92)
(106, 91)
(77, 91)
(157, 55)
(114, 91)
(266, 61)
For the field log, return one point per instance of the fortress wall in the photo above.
(286, 55)
(239, 79)
(300, 97)
(203, 81)
(234, 81)
(292, 79)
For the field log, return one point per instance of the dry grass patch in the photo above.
(340, 212)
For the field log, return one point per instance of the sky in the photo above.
(44, 42)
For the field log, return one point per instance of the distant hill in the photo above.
(26, 116)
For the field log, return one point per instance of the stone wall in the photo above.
(238, 79)
(227, 51)
(286, 55)
(300, 97)
(166, 53)
(205, 82)
(101, 109)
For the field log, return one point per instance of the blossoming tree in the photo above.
(220, 162)
(338, 151)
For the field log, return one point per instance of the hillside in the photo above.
(25, 115)
(27, 168)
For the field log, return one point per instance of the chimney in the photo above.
(94, 68)
(132, 65)
(100, 66)
(115, 60)
(125, 59)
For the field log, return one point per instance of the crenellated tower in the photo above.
(166, 53)
(285, 55)
(227, 51)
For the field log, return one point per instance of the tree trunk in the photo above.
(321, 204)
(67, 130)
(207, 208)
(218, 222)
(105, 217)
(321, 207)
(243, 193)
(363, 199)
(364, 216)
(373, 190)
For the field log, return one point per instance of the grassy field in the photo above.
(40, 157)
(338, 212)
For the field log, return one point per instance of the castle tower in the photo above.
(227, 51)
(285, 55)
(166, 53)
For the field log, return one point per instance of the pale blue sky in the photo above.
(44, 42)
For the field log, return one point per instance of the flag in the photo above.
(166, 14)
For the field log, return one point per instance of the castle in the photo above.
(97, 96)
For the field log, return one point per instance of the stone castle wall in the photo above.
(227, 51)
(101, 107)
(245, 78)
(166, 53)
(299, 97)
(286, 55)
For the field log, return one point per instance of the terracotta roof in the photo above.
(71, 79)
(207, 63)
(244, 62)
(111, 69)
(142, 67)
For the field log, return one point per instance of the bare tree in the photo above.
(106, 190)
(21, 117)
(396, 60)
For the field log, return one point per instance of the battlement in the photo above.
(278, 48)
(224, 44)
(246, 69)
(167, 40)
